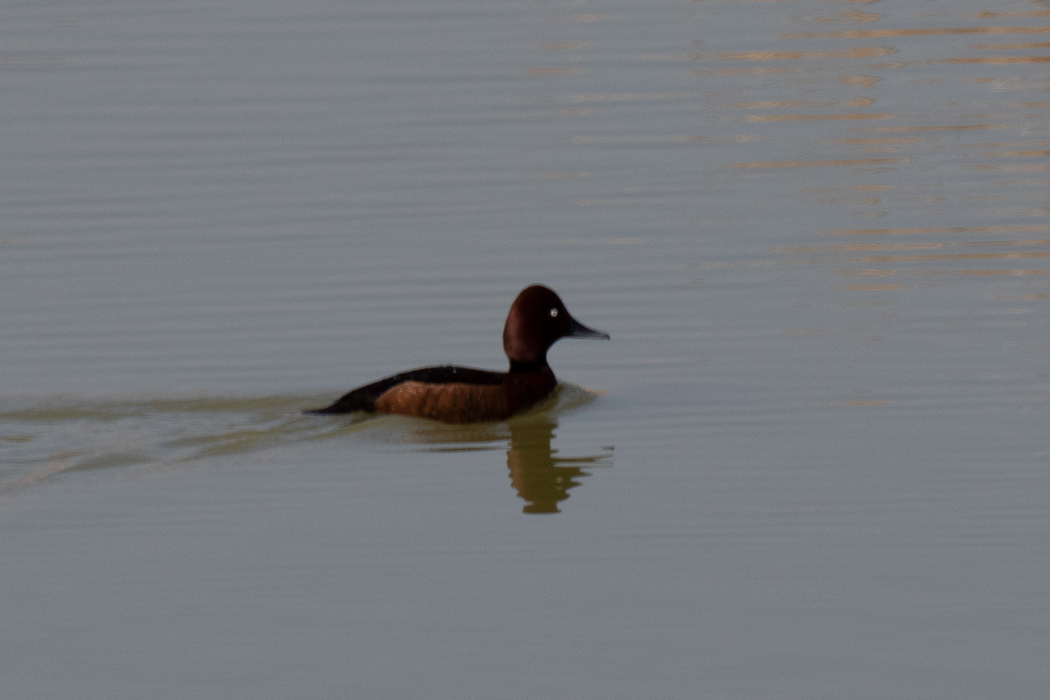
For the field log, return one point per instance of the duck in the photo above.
(451, 394)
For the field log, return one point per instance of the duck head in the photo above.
(536, 320)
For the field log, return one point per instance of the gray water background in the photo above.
(811, 463)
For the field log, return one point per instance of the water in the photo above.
(811, 462)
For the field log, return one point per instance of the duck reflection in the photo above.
(540, 477)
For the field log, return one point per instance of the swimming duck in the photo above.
(453, 394)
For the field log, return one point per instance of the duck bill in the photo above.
(578, 330)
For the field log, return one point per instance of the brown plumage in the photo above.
(452, 394)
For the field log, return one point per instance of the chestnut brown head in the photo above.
(537, 319)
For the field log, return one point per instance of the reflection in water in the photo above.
(911, 141)
(65, 434)
(902, 258)
(541, 479)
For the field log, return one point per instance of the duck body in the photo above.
(449, 393)
(454, 394)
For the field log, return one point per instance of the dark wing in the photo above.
(363, 398)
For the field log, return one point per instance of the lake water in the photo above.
(813, 462)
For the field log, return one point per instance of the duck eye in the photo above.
(554, 313)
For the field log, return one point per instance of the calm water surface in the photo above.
(812, 463)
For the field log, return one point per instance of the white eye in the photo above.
(554, 313)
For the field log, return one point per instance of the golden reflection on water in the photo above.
(1015, 13)
(939, 127)
(1011, 47)
(890, 257)
(816, 117)
(925, 31)
(857, 52)
(994, 60)
(931, 164)
(817, 163)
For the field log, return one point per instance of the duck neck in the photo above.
(517, 367)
